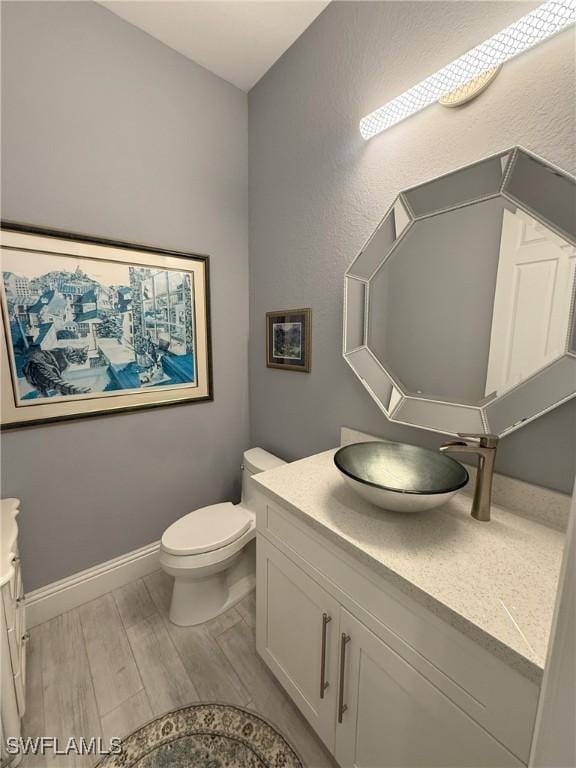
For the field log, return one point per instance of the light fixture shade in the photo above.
(541, 23)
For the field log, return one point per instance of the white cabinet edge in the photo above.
(8, 538)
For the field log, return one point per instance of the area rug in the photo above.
(205, 736)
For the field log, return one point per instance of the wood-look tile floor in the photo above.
(113, 664)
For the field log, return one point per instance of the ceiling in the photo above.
(238, 41)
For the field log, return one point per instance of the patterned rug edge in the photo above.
(130, 755)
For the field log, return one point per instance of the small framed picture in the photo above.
(288, 339)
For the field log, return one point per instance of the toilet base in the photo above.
(207, 585)
(198, 601)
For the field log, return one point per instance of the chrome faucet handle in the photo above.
(483, 440)
(455, 444)
(484, 446)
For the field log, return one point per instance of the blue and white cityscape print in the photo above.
(73, 332)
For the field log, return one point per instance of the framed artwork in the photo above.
(93, 326)
(288, 339)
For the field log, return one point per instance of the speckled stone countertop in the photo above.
(495, 582)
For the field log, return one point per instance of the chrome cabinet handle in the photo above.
(323, 683)
(344, 640)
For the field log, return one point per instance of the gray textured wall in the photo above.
(108, 132)
(317, 191)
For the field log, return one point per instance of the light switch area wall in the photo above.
(108, 132)
(317, 191)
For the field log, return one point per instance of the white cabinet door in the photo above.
(296, 635)
(393, 717)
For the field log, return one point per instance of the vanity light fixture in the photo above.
(468, 75)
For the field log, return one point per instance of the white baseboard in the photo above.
(64, 595)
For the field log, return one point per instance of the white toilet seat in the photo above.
(204, 560)
(206, 529)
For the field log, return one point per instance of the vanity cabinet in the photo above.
(299, 623)
(382, 682)
(13, 635)
(391, 716)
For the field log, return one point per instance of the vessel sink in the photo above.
(399, 477)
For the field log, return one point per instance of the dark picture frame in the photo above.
(289, 339)
(54, 309)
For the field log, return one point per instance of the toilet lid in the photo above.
(206, 529)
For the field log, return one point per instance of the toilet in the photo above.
(208, 551)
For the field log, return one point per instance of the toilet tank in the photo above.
(256, 460)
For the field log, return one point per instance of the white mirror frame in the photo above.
(548, 388)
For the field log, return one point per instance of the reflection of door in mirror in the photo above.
(531, 315)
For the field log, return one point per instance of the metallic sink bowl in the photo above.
(399, 477)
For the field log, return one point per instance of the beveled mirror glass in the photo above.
(459, 311)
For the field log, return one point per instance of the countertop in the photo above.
(495, 582)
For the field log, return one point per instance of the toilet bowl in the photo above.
(206, 551)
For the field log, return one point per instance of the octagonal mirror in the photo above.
(459, 311)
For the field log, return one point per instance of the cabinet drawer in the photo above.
(492, 693)
(14, 584)
(16, 636)
(8, 605)
(16, 581)
(20, 682)
(12, 594)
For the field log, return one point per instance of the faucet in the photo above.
(484, 446)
